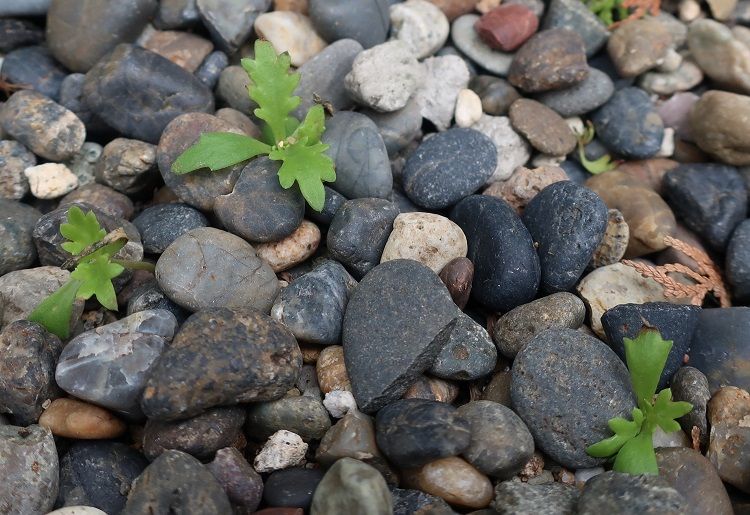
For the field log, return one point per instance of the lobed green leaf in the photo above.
(54, 312)
(81, 229)
(624, 431)
(218, 150)
(637, 455)
(96, 276)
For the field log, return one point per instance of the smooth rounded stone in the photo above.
(644, 493)
(710, 199)
(572, 15)
(19, 33)
(566, 222)
(455, 8)
(80, 33)
(421, 25)
(50, 180)
(501, 444)
(71, 97)
(352, 437)
(518, 498)
(594, 91)
(182, 48)
(176, 481)
(364, 21)
(723, 57)
(312, 307)
(359, 155)
(17, 221)
(696, 479)
(331, 370)
(351, 486)
(432, 389)
(398, 129)
(138, 92)
(176, 14)
(559, 368)
(431, 239)
(222, 357)
(127, 165)
(202, 187)
(507, 27)
(44, 126)
(21, 291)
(691, 385)
(512, 149)
(628, 124)
(28, 355)
(14, 159)
(150, 296)
(729, 405)
(258, 208)
(34, 67)
(30, 469)
(516, 328)
(292, 250)
(685, 77)
(737, 259)
(108, 366)
(506, 266)
(468, 108)
(242, 484)
(453, 480)
(292, 487)
(457, 275)
(638, 46)
(467, 40)
(468, 352)
(542, 127)
(497, 94)
(200, 436)
(239, 120)
(525, 184)
(77, 510)
(161, 224)
(414, 432)
(673, 321)
(232, 89)
(359, 232)
(728, 450)
(209, 70)
(303, 415)
(71, 418)
(392, 318)
(384, 77)
(449, 166)
(444, 77)
(718, 122)
(408, 502)
(290, 32)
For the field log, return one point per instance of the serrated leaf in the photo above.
(666, 411)
(96, 277)
(54, 312)
(646, 356)
(81, 229)
(637, 455)
(272, 87)
(624, 431)
(218, 150)
(312, 127)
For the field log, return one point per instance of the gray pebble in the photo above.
(585, 96)
(161, 224)
(468, 352)
(302, 415)
(626, 494)
(17, 222)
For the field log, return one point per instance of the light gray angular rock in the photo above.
(14, 159)
(444, 78)
(420, 24)
(230, 22)
(467, 352)
(512, 150)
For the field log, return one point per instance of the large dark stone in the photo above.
(303, 415)
(17, 221)
(366, 21)
(161, 224)
(292, 488)
(18, 33)
(626, 494)
(737, 262)
(468, 352)
(34, 67)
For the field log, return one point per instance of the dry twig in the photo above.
(640, 8)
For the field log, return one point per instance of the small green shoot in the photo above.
(632, 443)
(597, 166)
(608, 10)
(297, 145)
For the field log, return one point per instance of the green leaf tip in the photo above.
(596, 166)
(218, 150)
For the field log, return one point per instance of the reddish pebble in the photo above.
(457, 276)
(507, 27)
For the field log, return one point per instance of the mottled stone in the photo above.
(84, 162)
(408, 502)
(290, 32)
(17, 223)
(230, 23)
(453, 480)
(444, 77)
(696, 479)
(525, 184)
(50, 180)
(647, 494)
(18, 33)
(512, 149)
(302, 415)
(518, 498)
(351, 437)
(691, 385)
(467, 352)
(685, 77)
(292, 250)
(331, 370)
(71, 418)
(737, 258)
(587, 95)
(431, 239)
(282, 450)
(365, 21)
(161, 224)
(572, 15)
(351, 486)
(507, 27)
(14, 159)
(182, 48)
(21, 291)
(722, 56)
(241, 483)
(420, 24)
(638, 46)
(127, 165)
(718, 122)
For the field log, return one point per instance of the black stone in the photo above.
(575, 172)
(409, 502)
(98, 474)
(17, 221)
(674, 322)
(627, 494)
(18, 33)
(366, 21)
(160, 225)
(34, 67)
(138, 92)
(711, 199)
(292, 487)
(303, 415)
(496, 94)
(150, 296)
(359, 232)
(449, 166)
(414, 432)
(71, 97)
(334, 200)
(738, 263)
(506, 266)
(567, 222)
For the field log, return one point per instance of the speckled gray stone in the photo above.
(34, 67)
(575, 16)
(161, 224)
(398, 128)
(14, 159)
(626, 494)
(366, 21)
(585, 96)
(518, 498)
(127, 165)
(467, 352)
(302, 415)
(737, 261)
(230, 23)
(17, 223)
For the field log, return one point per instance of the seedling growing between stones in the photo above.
(601, 165)
(92, 250)
(608, 10)
(632, 443)
(297, 145)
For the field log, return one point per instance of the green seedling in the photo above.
(597, 166)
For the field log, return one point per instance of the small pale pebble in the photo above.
(689, 10)
(77, 510)
(485, 6)
(71, 418)
(671, 61)
(339, 403)
(292, 32)
(540, 160)
(283, 449)
(50, 180)
(524, 184)
(292, 250)
(420, 24)
(444, 77)
(667, 144)
(468, 108)
(583, 475)
(512, 149)
(576, 125)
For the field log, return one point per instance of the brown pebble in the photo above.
(546, 130)
(280, 511)
(729, 404)
(457, 276)
(453, 480)
(71, 418)
(455, 8)
(182, 48)
(292, 250)
(109, 201)
(298, 6)
(310, 353)
(614, 243)
(498, 389)
(650, 171)
(331, 370)
(525, 184)
(432, 389)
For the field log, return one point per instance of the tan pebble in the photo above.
(292, 32)
(50, 180)
(351, 437)
(77, 510)
(299, 6)
(310, 353)
(453, 480)
(533, 468)
(468, 108)
(524, 184)
(71, 418)
(292, 250)
(614, 243)
(650, 171)
(331, 370)
(455, 8)
(182, 48)
(457, 276)
(432, 389)
(498, 389)
(485, 6)
(282, 450)
(239, 120)
(729, 404)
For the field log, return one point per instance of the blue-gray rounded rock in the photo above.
(587, 95)
(366, 21)
(35, 68)
(737, 262)
(334, 200)
(17, 221)
(575, 16)
(160, 225)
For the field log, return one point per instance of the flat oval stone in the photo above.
(628, 124)
(501, 444)
(737, 259)
(81, 33)
(572, 15)
(104, 198)
(466, 39)
(108, 366)
(639, 46)
(567, 222)
(351, 486)
(497, 94)
(414, 432)
(364, 21)
(243, 485)
(34, 67)
(449, 166)
(718, 122)
(176, 481)
(71, 418)
(560, 368)
(467, 352)
(453, 480)
(207, 268)
(544, 128)
(292, 487)
(359, 155)
(645, 493)
(302, 415)
(17, 221)
(696, 479)
(127, 165)
(138, 92)
(290, 32)
(160, 225)
(587, 95)
(393, 317)
(222, 357)
(506, 266)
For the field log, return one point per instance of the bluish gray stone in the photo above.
(211, 67)
(230, 23)
(71, 97)
(467, 353)
(150, 296)
(398, 128)
(15, 33)
(160, 225)
(646, 494)
(366, 21)
(408, 502)
(691, 385)
(496, 94)
(575, 16)
(34, 67)
(176, 14)
(737, 261)
(17, 223)
(592, 92)
(468, 41)
(334, 200)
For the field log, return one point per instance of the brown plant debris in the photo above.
(639, 10)
(707, 279)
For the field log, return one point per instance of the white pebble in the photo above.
(431, 239)
(77, 510)
(339, 403)
(667, 143)
(291, 32)
(576, 125)
(513, 150)
(50, 180)
(583, 475)
(689, 10)
(444, 77)
(421, 25)
(282, 450)
(468, 108)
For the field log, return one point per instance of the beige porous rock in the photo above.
(292, 250)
